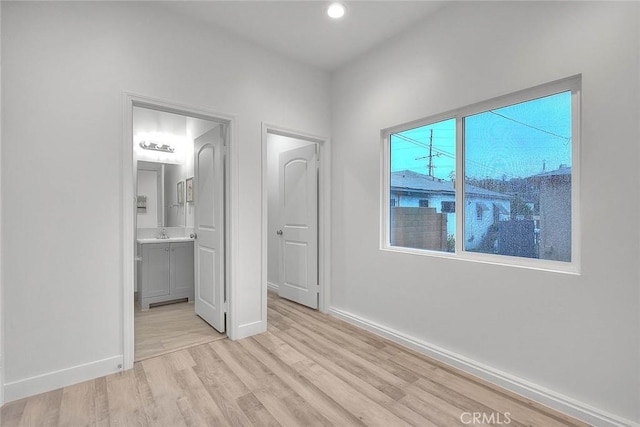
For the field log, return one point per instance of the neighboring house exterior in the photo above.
(483, 207)
(555, 213)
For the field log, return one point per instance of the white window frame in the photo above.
(572, 84)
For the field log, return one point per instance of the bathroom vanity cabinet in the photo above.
(166, 272)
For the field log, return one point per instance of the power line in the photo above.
(531, 126)
(452, 156)
(424, 145)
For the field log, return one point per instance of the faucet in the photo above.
(163, 234)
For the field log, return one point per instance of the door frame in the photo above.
(324, 212)
(128, 217)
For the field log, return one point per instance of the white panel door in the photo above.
(208, 189)
(298, 199)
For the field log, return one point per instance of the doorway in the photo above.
(295, 219)
(177, 287)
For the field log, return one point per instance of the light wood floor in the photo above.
(167, 328)
(308, 369)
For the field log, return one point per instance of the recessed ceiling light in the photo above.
(336, 10)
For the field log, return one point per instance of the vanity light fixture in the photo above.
(336, 10)
(157, 147)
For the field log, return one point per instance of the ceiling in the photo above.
(302, 30)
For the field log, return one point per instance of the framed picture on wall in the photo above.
(181, 192)
(189, 189)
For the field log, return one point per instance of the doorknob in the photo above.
(193, 235)
(279, 232)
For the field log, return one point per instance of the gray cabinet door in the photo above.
(155, 277)
(181, 267)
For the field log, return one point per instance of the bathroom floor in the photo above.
(168, 328)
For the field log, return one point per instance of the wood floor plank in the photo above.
(168, 328)
(345, 356)
(333, 324)
(78, 406)
(352, 399)
(147, 402)
(336, 332)
(203, 409)
(434, 414)
(332, 410)
(213, 372)
(307, 369)
(434, 407)
(256, 412)
(11, 414)
(367, 385)
(434, 375)
(221, 384)
(125, 405)
(285, 405)
(358, 348)
(278, 348)
(43, 409)
(159, 375)
(189, 417)
(251, 374)
(103, 417)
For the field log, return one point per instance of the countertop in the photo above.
(169, 240)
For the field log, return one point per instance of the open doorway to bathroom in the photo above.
(179, 230)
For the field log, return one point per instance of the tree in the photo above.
(520, 207)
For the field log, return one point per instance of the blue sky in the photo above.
(510, 142)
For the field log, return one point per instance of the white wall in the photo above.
(66, 67)
(576, 335)
(276, 144)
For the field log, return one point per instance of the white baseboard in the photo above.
(62, 378)
(250, 329)
(272, 287)
(557, 401)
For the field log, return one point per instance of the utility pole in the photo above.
(430, 165)
(431, 153)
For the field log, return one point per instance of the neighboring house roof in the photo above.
(561, 171)
(413, 181)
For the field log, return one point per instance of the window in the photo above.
(514, 175)
(448, 207)
(422, 161)
(480, 209)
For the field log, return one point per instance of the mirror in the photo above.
(158, 204)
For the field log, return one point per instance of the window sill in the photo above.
(570, 268)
